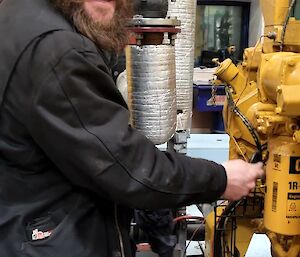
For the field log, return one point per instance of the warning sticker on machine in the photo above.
(293, 206)
(276, 161)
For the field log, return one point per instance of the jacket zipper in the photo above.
(119, 232)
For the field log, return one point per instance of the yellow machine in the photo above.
(262, 117)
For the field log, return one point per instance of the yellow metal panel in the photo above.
(282, 201)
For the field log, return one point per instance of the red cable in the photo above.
(185, 217)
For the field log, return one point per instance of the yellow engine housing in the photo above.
(262, 115)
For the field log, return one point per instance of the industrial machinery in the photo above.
(262, 117)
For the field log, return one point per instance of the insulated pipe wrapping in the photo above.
(152, 90)
(185, 11)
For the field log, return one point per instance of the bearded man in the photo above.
(71, 169)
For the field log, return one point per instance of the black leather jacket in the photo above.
(70, 166)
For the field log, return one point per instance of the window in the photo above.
(219, 26)
(297, 10)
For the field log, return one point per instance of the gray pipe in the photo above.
(151, 90)
(185, 11)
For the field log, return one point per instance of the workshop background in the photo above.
(235, 95)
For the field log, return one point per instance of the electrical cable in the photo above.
(221, 226)
(201, 248)
(287, 17)
(221, 203)
(238, 147)
(257, 156)
(244, 119)
(229, 210)
(190, 240)
(199, 207)
(237, 111)
(185, 217)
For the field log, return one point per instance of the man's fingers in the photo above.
(259, 164)
(259, 172)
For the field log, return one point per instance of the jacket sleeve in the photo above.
(78, 121)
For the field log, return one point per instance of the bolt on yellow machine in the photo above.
(262, 117)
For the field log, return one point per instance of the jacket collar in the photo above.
(21, 21)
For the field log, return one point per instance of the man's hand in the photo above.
(241, 178)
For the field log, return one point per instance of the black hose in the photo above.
(246, 122)
(285, 23)
(221, 226)
(256, 157)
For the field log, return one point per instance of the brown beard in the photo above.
(112, 36)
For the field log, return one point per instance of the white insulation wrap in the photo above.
(185, 11)
(152, 90)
